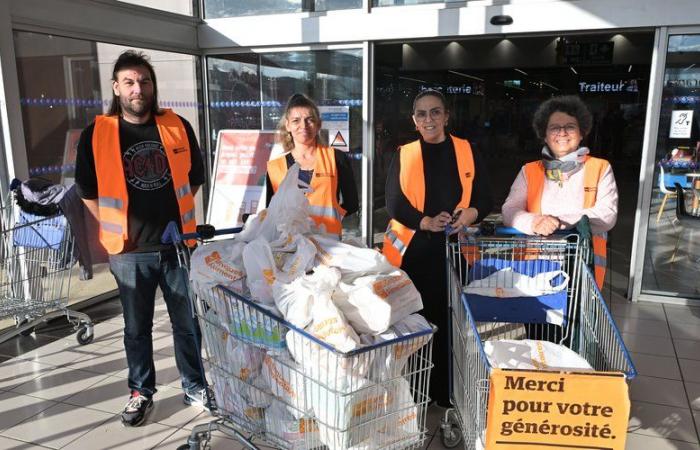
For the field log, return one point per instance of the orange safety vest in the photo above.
(593, 170)
(113, 197)
(323, 197)
(412, 180)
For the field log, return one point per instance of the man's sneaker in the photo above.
(136, 409)
(203, 398)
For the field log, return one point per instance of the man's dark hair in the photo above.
(427, 93)
(567, 104)
(129, 59)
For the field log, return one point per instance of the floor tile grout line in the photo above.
(680, 371)
(23, 441)
(88, 431)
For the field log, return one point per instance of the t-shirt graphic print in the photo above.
(146, 166)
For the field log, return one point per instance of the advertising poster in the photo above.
(681, 124)
(336, 120)
(556, 410)
(238, 181)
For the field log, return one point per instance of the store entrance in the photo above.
(493, 86)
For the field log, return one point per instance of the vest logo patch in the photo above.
(323, 174)
(179, 150)
(468, 175)
(590, 189)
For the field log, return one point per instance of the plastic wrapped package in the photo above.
(218, 341)
(298, 433)
(372, 303)
(252, 326)
(390, 360)
(531, 354)
(287, 382)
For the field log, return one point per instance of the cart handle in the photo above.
(172, 234)
(582, 228)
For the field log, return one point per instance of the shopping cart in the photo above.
(374, 397)
(36, 254)
(576, 317)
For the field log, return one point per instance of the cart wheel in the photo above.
(25, 332)
(85, 335)
(451, 436)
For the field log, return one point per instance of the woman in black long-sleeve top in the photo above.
(432, 182)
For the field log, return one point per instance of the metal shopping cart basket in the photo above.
(576, 316)
(36, 254)
(278, 384)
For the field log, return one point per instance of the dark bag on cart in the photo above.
(40, 223)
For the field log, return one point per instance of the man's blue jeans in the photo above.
(138, 275)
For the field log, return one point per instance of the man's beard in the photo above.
(138, 110)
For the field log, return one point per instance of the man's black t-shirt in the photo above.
(152, 201)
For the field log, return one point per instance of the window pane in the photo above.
(64, 83)
(184, 7)
(672, 251)
(330, 5)
(408, 2)
(214, 9)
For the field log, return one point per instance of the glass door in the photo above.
(672, 255)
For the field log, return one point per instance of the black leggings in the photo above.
(425, 263)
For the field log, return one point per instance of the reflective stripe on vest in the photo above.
(412, 180)
(323, 197)
(593, 170)
(113, 197)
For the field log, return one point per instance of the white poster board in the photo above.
(681, 124)
(238, 181)
(336, 120)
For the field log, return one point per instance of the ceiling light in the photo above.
(573, 70)
(521, 71)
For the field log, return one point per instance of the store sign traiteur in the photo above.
(544, 409)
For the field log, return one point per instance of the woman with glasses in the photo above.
(327, 171)
(432, 183)
(554, 192)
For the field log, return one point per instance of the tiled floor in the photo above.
(57, 394)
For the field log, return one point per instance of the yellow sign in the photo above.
(554, 410)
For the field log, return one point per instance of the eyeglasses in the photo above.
(569, 128)
(435, 114)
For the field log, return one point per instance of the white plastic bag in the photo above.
(327, 321)
(287, 382)
(295, 300)
(260, 270)
(401, 421)
(372, 303)
(228, 391)
(507, 283)
(335, 412)
(338, 372)
(243, 360)
(218, 262)
(389, 361)
(348, 258)
(298, 433)
(299, 261)
(531, 354)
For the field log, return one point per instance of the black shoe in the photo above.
(136, 409)
(204, 398)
